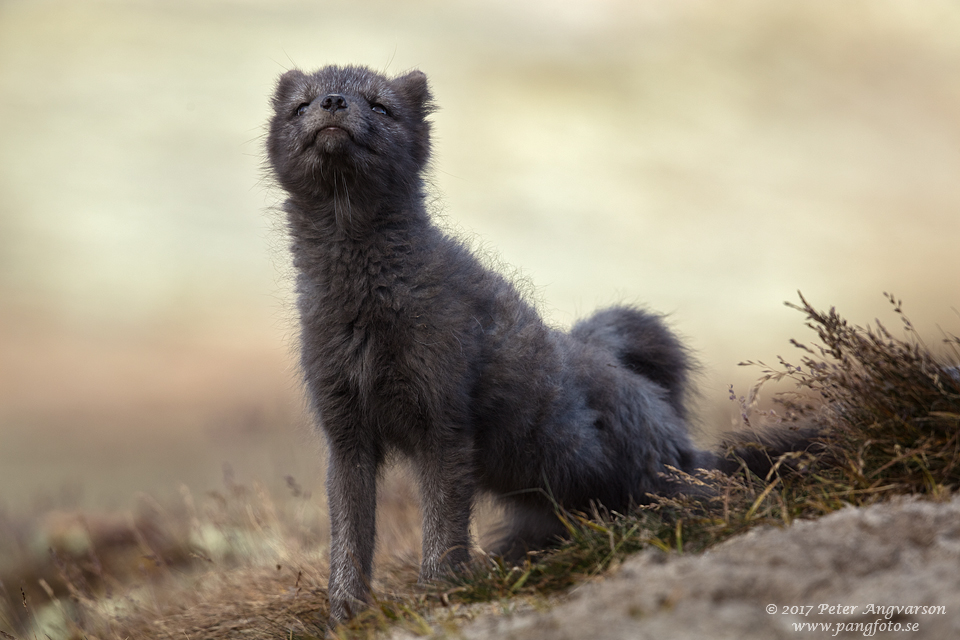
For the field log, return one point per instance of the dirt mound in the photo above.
(893, 566)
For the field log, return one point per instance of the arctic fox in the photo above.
(411, 345)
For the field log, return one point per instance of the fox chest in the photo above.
(380, 378)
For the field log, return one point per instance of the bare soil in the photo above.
(899, 554)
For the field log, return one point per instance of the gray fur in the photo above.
(410, 345)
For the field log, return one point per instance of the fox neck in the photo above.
(325, 232)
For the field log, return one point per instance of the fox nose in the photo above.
(333, 102)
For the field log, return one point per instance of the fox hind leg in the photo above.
(526, 528)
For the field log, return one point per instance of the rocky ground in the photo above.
(857, 567)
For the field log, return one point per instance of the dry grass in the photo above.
(243, 565)
(204, 569)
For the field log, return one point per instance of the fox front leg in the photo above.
(447, 490)
(352, 499)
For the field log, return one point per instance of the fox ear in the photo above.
(286, 86)
(414, 87)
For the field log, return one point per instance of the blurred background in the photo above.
(706, 159)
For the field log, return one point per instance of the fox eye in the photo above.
(302, 109)
(376, 107)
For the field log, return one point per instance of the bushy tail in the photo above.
(641, 341)
(758, 453)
